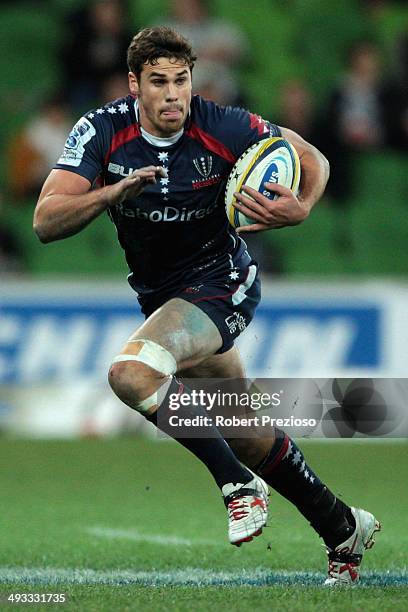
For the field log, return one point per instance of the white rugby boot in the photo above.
(345, 559)
(247, 506)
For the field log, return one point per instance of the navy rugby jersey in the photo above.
(177, 230)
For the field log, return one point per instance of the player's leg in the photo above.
(255, 446)
(186, 336)
(179, 335)
(281, 463)
(346, 531)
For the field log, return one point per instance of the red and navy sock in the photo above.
(213, 451)
(286, 471)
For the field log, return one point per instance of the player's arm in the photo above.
(67, 204)
(287, 209)
(315, 169)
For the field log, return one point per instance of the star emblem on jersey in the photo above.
(123, 107)
(99, 111)
(163, 157)
(288, 451)
(234, 275)
(112, 110)
(296, 458)
(91, 116)
(203, 165)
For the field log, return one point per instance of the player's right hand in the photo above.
(134, 184)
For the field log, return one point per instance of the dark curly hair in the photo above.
(151, 43)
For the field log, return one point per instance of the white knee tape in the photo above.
(147, 403)
(153, 355)
(155, 399)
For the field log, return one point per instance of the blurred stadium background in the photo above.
(334, 303)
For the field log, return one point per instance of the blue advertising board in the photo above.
(58, 337)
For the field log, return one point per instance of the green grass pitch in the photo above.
(136, 524)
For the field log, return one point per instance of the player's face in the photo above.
(164, 94)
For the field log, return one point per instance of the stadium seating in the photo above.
(377, 216)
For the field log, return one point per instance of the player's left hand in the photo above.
(286, 210)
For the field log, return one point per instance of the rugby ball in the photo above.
(273, 160)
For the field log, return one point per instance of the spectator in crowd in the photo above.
(215, 82)
(296, 108)
(114, 87)
(95, 49)
(11, 255)
(32, 152)
(356, 106)
(388, 19)
(220, 44)
(397, 98)
(354, 121)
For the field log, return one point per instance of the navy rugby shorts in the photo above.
(229, 298)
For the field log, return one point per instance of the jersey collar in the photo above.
(156, 140)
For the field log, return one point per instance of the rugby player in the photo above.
(157, 161)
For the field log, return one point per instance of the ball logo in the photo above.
(271, 175)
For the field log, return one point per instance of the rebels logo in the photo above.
(203, 165)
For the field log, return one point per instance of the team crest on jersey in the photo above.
(203, 165)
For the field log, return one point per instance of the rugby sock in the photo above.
(213, 451)
(285, 469)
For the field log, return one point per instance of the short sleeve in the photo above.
(83, 150)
